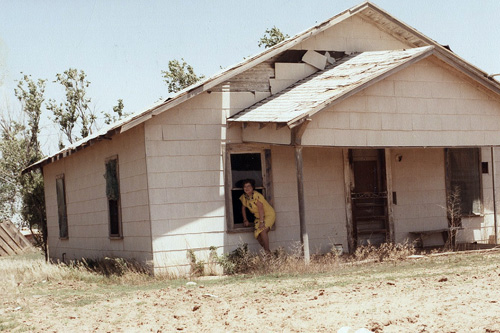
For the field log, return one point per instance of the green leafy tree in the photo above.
(179, 75)
(75, 111)
(117, 113)
(10, 167)
(20, 147)
(272, 37)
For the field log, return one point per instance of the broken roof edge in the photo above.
(422, 53)
(427, 51)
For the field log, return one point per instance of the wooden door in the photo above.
(369, 196)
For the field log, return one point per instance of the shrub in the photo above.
(237, 261)
(386, 251)
(197, 266)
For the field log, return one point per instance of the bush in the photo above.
(237, 261)
(197, 266)
(386, 251)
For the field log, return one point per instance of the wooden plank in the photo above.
(3, 252)
(17, 235)
(315, 59)
(254, 79)
(12, 241)
(12, 237)
(269, 177)
(304, 237)
(298, 131)
(227, 188)
(388, 177)
(6, 242)
(348, 202)
(493, 177)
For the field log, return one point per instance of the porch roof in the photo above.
(331, 85)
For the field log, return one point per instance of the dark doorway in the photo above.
(369, 196)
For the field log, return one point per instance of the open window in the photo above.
(113, 197)
(463, 179)
(244, 165)
(62, 214)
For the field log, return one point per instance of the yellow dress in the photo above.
(251, 204)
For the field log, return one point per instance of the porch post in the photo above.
(390, 201)
(296, 140)
(495, 223)
(304, 237)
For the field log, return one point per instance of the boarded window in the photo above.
(252, 165)
(61, 207)
(463, 176)
(113, 196)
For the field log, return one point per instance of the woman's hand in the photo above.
(246, 223)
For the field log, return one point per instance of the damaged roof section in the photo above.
(330, 85)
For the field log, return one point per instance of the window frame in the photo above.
(61, 177)
(118, 235)
(265, 160)
(448, 174)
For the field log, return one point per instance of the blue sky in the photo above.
(123, 45)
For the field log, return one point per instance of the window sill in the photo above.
(473, 215)
(115, 237)
(241, 230)
(63, 238)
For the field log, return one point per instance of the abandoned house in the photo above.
(358, 130)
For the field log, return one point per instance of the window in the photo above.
(113, 196)
(463, 176)
(244, 165)
(61, 207)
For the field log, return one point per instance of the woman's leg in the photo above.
(263, 239)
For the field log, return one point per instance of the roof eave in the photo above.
(65, 152)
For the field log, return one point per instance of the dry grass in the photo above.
(280, 262)
(29, 269)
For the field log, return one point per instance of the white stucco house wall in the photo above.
(357, 130)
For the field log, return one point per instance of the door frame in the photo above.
(348, 188)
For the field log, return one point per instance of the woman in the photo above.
(264, 213)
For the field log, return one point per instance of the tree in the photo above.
(118, 110)
(75, 111)
(179, 75)
(31, 96)
(272, 37)
(20, 147)
(10, 166)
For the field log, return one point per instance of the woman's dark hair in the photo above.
(248, 181)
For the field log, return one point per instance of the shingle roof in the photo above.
(323, 88)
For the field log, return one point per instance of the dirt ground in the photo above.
(455, 297)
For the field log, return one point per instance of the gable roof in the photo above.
(367, 10)
(330, 85)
